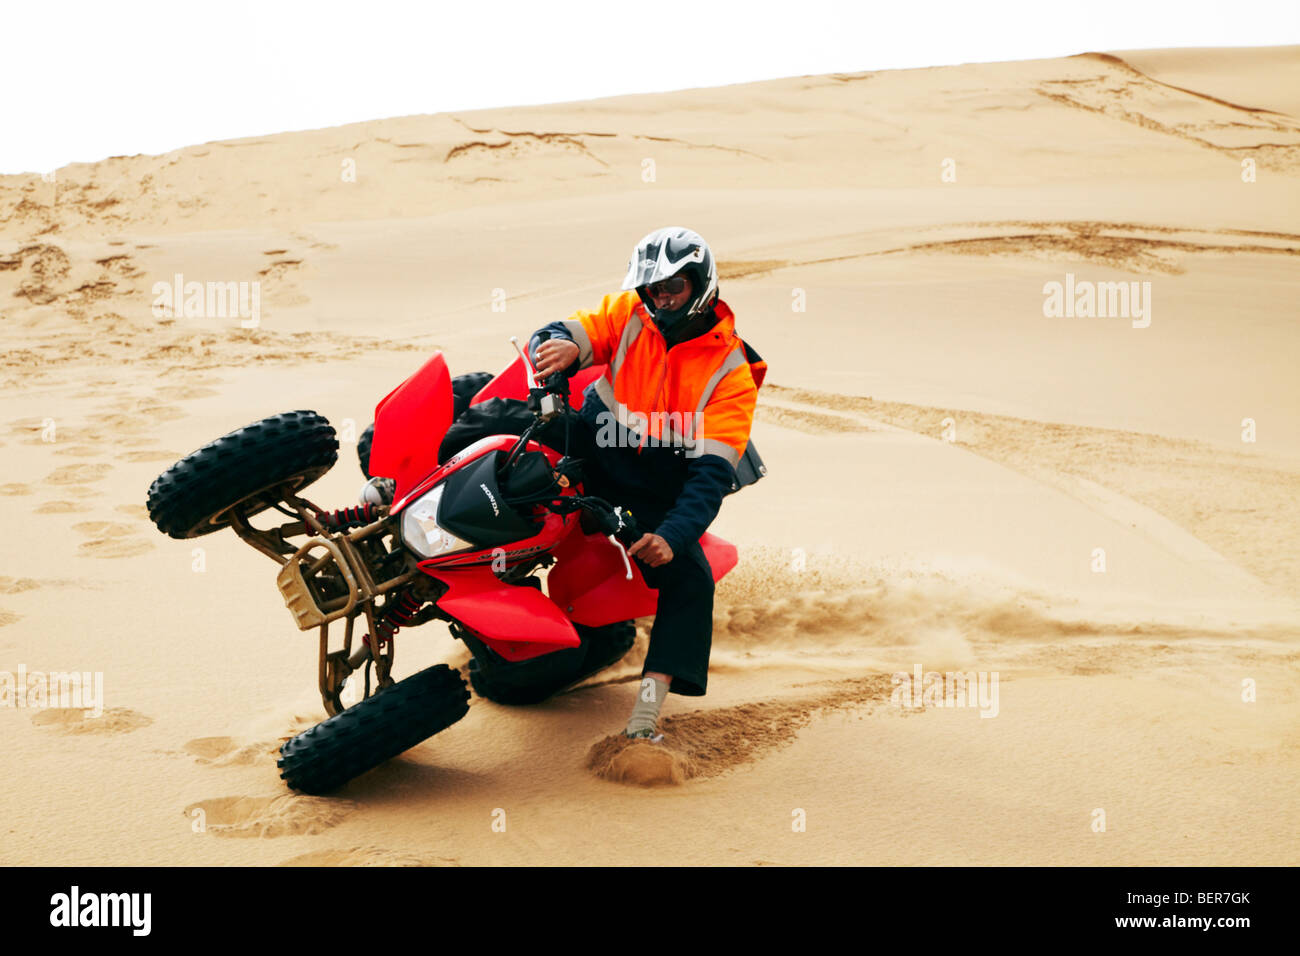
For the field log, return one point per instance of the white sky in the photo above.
(86, 80)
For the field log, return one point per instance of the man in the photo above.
(667, 425)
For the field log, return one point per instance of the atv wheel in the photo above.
(463, 388)
(511, 696)
(244, 469)
(533, 681)
(376, 729)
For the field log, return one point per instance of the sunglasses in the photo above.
(674, 286)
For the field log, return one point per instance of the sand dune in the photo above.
(946, 461)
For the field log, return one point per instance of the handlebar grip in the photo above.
(535, 343)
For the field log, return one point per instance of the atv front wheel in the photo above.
(242, 470)
(376, 729)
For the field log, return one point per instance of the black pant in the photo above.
(682, 634)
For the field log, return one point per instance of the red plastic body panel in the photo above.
(517, 621)
(722, 555)
(589, 582)
(409, 424)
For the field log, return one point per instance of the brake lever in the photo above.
(626, 532)
(528, 366)
(627, 564)
(615, 523)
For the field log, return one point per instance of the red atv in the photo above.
(458, 541)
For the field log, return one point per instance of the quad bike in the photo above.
(459, 541)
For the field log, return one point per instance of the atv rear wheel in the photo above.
(375, 730)
(243, 471)
(363, 449)
(534, 680)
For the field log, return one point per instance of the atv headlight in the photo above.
(420, 529)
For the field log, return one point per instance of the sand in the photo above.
(1099, 511)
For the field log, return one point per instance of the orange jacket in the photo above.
(700, 394)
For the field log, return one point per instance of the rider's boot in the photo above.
(645, 715)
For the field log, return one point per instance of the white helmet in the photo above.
(665, 253)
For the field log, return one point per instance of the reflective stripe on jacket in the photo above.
(698, 395)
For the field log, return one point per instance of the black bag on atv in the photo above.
(496, 416)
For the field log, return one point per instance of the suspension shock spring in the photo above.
(397, 614)
(352, 517)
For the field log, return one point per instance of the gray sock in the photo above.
(650, 697)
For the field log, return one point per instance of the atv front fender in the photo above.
(516, 621)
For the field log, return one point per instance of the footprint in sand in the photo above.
(8, 617)
(192, 380)
(21, 427)
(35, 436)
(138, 420)
(313, 241)
(17, 585)
(152, 454)
(280, 268)
(61, 507)
(86, 451)
(366, 856)
(123, 403)
(77, 474)
(16, 488)
(285, 815)
(228, 752)
(184, 392)
(135, 511)
(114, 720)
(95, 389)
(109, 539)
